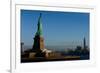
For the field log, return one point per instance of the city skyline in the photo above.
(59, 28)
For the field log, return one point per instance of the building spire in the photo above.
(39, 30)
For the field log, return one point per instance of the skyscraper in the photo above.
(84, 43)
(22, 49)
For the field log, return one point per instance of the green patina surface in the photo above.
(39, 30)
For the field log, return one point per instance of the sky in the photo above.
(62, 29)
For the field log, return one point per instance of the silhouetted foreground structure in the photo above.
(39, 53)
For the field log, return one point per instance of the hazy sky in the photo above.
(59, 28)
